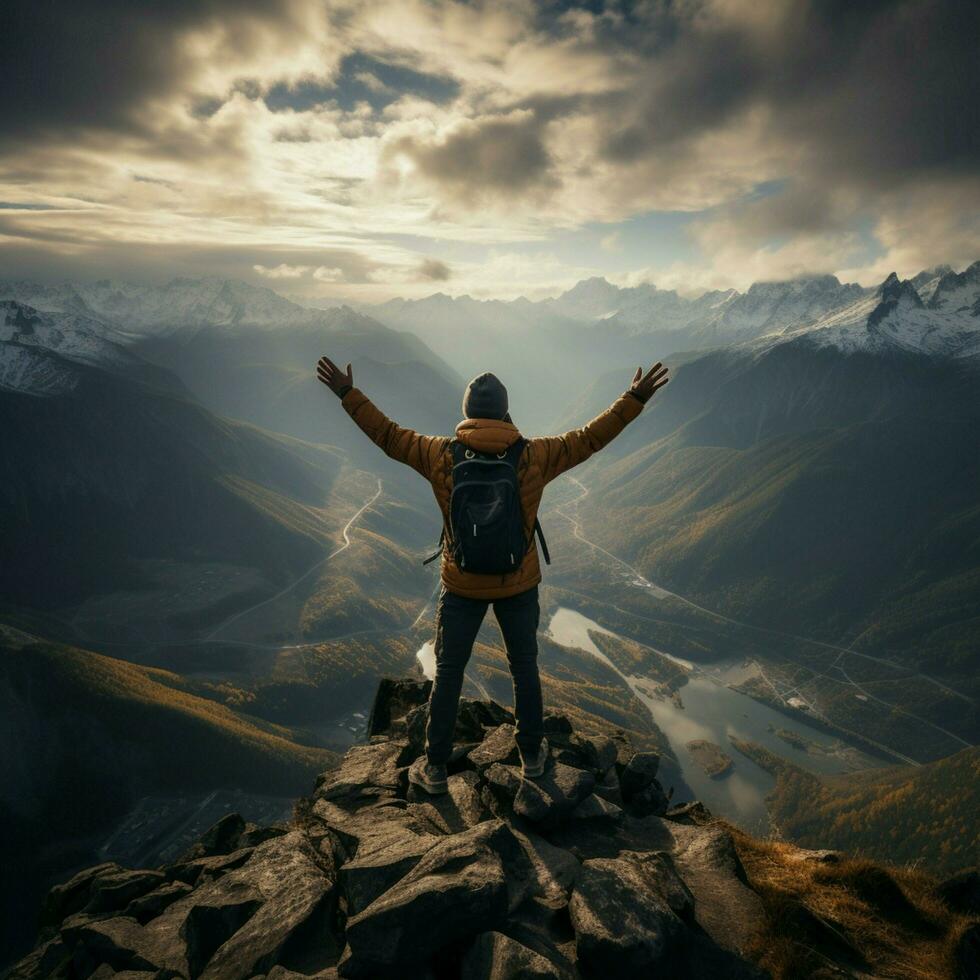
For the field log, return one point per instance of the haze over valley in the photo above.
(784, 540)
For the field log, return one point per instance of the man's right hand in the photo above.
(336, 380)
(644, 386)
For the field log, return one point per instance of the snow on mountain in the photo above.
(77, 338)
(958, 293)
(138, 309)
(893, 317)
(36, 349)
(593, 299)
(928, 279)
(938, 310)
(781, 305)
(711, 319)
(30, 371)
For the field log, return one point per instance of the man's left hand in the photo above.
(336, 380)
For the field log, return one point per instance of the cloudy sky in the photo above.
(361, 150)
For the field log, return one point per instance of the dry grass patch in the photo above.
(850, 914)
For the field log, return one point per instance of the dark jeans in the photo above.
(458, 621)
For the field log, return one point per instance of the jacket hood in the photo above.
(487, 435)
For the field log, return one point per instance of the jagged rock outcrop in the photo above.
(583, 873)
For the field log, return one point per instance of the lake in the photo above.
(712, 711)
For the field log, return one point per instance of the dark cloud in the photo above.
(497, 155)
(97, 64)
(877, 89)
(788, 207)
(93, 257)
(434, 269)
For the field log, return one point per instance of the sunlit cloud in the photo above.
(348, 150)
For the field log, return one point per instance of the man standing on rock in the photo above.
(488, 480)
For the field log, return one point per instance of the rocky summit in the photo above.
(586, 872)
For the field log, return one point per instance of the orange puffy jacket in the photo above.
(541, 461)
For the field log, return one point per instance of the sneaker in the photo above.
(433, 779)
(531, 768)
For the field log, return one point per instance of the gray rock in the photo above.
(609, 839)
(503, 782)
(366, 877)
(371, 828)
(599, 753)
(649, 800)
(149, 906)
(281, 973)
(724, 906)
(548, 873)
(474, 717)
(191, 872)
(497, 746)
(123, 944)
(553, 795)
(106, 972)
(394, 698)
(461, 808)
(235, 925)
(73, 895)
(366, 773)
(663, 877)
(496, 956)
(596, 808)
(638, 773)
(546, 799)
(459, 887)
(625, 749)
(253, 836)
(114, 890)
(622, 921)
(425, 812)
(50, 958)
(556, 724)
(221, 838)
(608, 788)
(294, 896)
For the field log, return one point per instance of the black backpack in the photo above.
(486, 522)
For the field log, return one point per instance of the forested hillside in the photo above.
(926, 814)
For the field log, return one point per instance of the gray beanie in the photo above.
(485, 398)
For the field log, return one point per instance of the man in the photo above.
(487, 431)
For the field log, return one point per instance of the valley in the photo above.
(751, 563)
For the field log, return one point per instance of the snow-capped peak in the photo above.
(37, 349)
(893, 317)
(958, 292)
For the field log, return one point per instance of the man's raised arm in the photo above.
(404, 445)
(560, 453)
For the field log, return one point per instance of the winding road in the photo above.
(345, 533)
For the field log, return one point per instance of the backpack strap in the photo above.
(514, 450)
(513, 457)
(452, 446)
(544, 544)
(438, 551)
